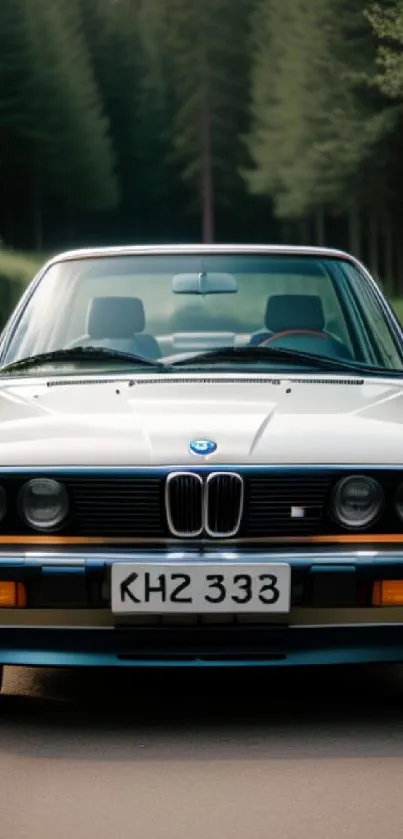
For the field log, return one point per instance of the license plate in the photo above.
(200, 588)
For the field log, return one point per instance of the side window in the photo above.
(335, 322)
(376, 323)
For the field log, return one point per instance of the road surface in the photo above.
(296, 755)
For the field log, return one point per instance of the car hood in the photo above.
(152, 419)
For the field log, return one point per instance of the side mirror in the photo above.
(204, 284)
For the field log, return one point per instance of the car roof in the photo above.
(195, 249)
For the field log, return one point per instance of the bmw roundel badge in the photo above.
(202, 447)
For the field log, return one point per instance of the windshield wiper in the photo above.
(259, 353)
(81, 354)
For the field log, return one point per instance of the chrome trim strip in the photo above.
(187, 533)
(213, 477)
(199, 249)
(81, 557)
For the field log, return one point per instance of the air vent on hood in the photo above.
(166, 380)
(69, 382)
(190, 380)
(355, 382)
(248, 380)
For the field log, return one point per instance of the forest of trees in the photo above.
(203, 120)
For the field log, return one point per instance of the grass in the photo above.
(16, 271)
(397, 304)
(19, 267)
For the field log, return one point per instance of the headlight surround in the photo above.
(43, 503)
(399, 502)
(3, 503)
(357, 501)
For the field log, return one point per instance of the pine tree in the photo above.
(119, 45)
(316, 120)
(387, 23)
(76, 148)
(206, 43)
(54, 135)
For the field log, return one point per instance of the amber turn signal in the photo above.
(12, 594)
(387, 593)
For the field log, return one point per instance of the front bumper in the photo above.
(68, 620)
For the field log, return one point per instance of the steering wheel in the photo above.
(286, 332)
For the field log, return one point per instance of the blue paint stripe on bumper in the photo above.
(283, 647)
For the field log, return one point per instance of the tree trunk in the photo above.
(304, 231)
(207, 185)
(389, 258)
(320, 235)
(398, 290)
(70, 225)
(207, 180)
(374, 244)
(37, 211)
(354, 230)
(7, 194)
(8, 218)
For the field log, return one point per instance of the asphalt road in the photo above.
(206, 755)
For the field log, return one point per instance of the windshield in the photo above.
(164, 306)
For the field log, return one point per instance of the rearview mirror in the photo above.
(204, 284)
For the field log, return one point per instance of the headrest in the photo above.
(294, 311)
(115, 317)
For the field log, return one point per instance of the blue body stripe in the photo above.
(242, 468)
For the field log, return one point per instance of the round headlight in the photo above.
(357, 501)
(43, 503)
